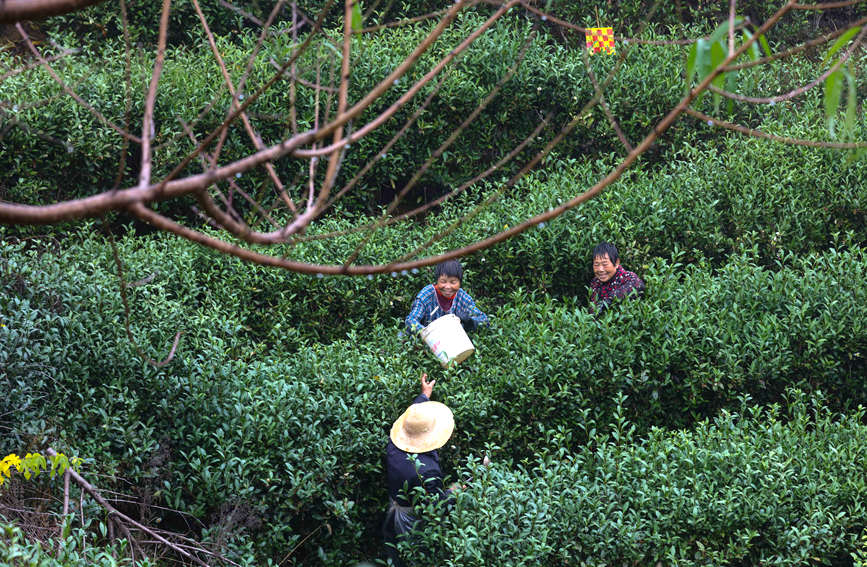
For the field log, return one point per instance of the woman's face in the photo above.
(603, 268)
(448, 285)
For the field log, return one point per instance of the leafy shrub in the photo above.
(102, 21)
(697, 341)
(706, 203)
(552, 79)
(266, 430)
(265, 444)
(770, 486)
(69, 551)
(75, 141)
(860, 555)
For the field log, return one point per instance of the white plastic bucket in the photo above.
(447, 340)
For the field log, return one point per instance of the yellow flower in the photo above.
(11, 460)
(6, 465)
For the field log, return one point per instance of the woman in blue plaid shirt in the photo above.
(445, 296)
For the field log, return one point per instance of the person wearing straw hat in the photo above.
(411, 461)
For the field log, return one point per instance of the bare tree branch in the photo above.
(338, 123)
(257, 141)
(148, 121)
(711, 121)
(13, 11)
(731, 33)
(802, 89)
(439, 151)
(124, 520)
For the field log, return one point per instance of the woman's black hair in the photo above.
(606, 249)
(449, 268)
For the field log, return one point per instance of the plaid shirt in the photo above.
(621, 285)
(426, 308)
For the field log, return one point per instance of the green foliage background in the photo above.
(716, 422)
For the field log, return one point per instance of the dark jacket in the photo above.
(405, 472)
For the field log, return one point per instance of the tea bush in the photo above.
(692, 345)
(190, 82)
(860, 555)
(706, 204)
(72, 550)
(551, 79)
(770, 486)
(103, 21)
(264, 445)
(622, 439)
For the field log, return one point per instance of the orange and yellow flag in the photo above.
(599, 40)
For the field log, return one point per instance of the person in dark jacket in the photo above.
(411, 460)
(612, 281)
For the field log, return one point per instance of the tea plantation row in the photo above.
(627, 17)
(190, 83)
(52, 133)
(295, 441)
(711, 496)
(756, 204)
(755, 487)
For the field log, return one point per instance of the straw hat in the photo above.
(423, 427)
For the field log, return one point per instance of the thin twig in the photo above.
(147, 134)
(30, 66)
(293, 112)
(143, 281)
(299, 544)
(294, 78)
(795, 50)
(612, 120)
(803, 88)
(94, 493)
(123, 287)
(404, 22)
(245, 15)
(711, 121)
